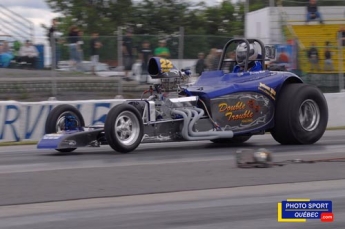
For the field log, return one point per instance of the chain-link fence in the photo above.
(70, 54)
(87, 67)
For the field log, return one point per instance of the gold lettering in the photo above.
(273, 91)
(247, 120)
(264, 86)
(246, 115)
(222, 107)
(268, 93)
(225, 107)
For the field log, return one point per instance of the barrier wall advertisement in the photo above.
(286, 54)
(26, 121)
(20, 121)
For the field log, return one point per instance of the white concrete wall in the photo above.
(336, 109)
(257, 25)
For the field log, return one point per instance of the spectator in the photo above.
(313, 56)
(210, 57)
(328, 64)
(16, 47)
(6, 47)
(312, 12)
(200, 65)
(127, 52)
(162, 50)
(1, 55)
(28, 53)
(5, 55)
(95, 44)
(53, 37)
(145, 54)
(216, 59)
(73, 38)
(341, 35)
(80, 52)
(231, 57)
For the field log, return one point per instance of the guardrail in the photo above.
(25, 121)
(15, 25)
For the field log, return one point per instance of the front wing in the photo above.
(69, 139)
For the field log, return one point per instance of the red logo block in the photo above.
(326, 217)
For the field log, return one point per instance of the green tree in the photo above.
(204, 26)
(100, 16)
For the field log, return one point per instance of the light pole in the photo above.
(271, 3)
(246, 10)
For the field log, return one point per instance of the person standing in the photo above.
(73, 38)
(127, 52)
(216, 59)
(313, 56)
(328, 64)
(80, 52)
(210, 57)
(54, 44)
(341, 35)
(95, 45)
(162, 51)
(145, 54)
(200, 65)
(231, 57)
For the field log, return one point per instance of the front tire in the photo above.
(67, 150)
(64, 117)
(124, 128)
(301, 115)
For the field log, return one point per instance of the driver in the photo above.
(241, 57)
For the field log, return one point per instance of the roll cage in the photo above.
(266, 53)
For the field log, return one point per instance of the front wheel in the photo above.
(124, 128)
(301, 115)
(64, 117)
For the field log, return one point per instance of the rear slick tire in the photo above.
(301, 115)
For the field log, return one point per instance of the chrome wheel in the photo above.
(127, 128)
(309, 115)
(67, 121)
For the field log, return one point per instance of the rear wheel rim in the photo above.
(309, 115)
(127, 128)
(64, 118)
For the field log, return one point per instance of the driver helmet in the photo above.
(241, 53)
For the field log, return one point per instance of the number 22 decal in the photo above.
(166, 65)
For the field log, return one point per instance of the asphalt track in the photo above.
(166, 185)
